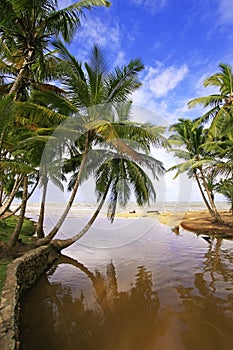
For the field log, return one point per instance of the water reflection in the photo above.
(122, 320)
(207, 312)
(200, 316)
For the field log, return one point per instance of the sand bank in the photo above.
(201, 222)
(198, 221)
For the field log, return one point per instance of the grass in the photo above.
(3, 268)
(26, 237)
(7, 227)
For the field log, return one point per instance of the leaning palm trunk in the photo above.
(19, 207)
(203, 195)
(215, 213)
(40, 223)
(19, 224)
(11, 196)
(62, 244)
(54, 231)
(98, 282)
(1, 190)
(22, 72)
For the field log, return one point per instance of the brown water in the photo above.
(158, 292)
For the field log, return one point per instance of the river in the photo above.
(134, 286)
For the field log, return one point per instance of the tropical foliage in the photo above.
(89, 111)
(61, 117)
(207, 151)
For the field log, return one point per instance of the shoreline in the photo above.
(197, 221)
(203, 223)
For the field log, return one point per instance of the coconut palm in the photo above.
(225, 187)
(19, 224)
(97, 94)
(118, 177)
(28, 27)
(48, 167)
(19, 121)
(20, 166)
(220, 104)
(197, 160)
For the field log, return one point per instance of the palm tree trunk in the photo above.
(40, 223)
(56, 228)
(19, 79)
(98, 282)
(215, 215)
(1, 190)
(19, 207)
(16, 86)
(62, 244)
(203, 195)
(19, 224)
(11, 196)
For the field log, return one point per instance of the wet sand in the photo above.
(198, 221)
(201, 222)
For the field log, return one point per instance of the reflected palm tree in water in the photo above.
(207, 314)
(122, 320)
(134, 319)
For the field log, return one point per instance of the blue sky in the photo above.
(180, 43)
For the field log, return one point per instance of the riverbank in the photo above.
(198, 221)
(202, 223)
(25, 243)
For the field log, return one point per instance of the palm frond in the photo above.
(206, 101)
(39, 114)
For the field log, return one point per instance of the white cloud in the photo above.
(120, 59)
(226, 11)
(161, 83)
(153, 6)
(64, 3)
(157, 83)
(96, 31)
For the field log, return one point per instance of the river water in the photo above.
(133, 286)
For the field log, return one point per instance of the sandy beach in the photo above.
(198, 221)
(201, 222)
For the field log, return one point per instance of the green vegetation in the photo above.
(3, 268)
(7, 227)
(90, 109)
(62, 118)
(208, 151)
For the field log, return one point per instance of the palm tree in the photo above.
(28, 27)
(220, 104)
(48, 168)
(225, 187)
(19, 224)
(197, 159)
(118, 177)
(20, 121)
(12, 169)
(97, 93)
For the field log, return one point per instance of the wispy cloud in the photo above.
(64, 3)
(226, 11)
(120, 59)
(99, 32)
(102, 33)
(161, 81)
(153, 6)
(155, 93)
